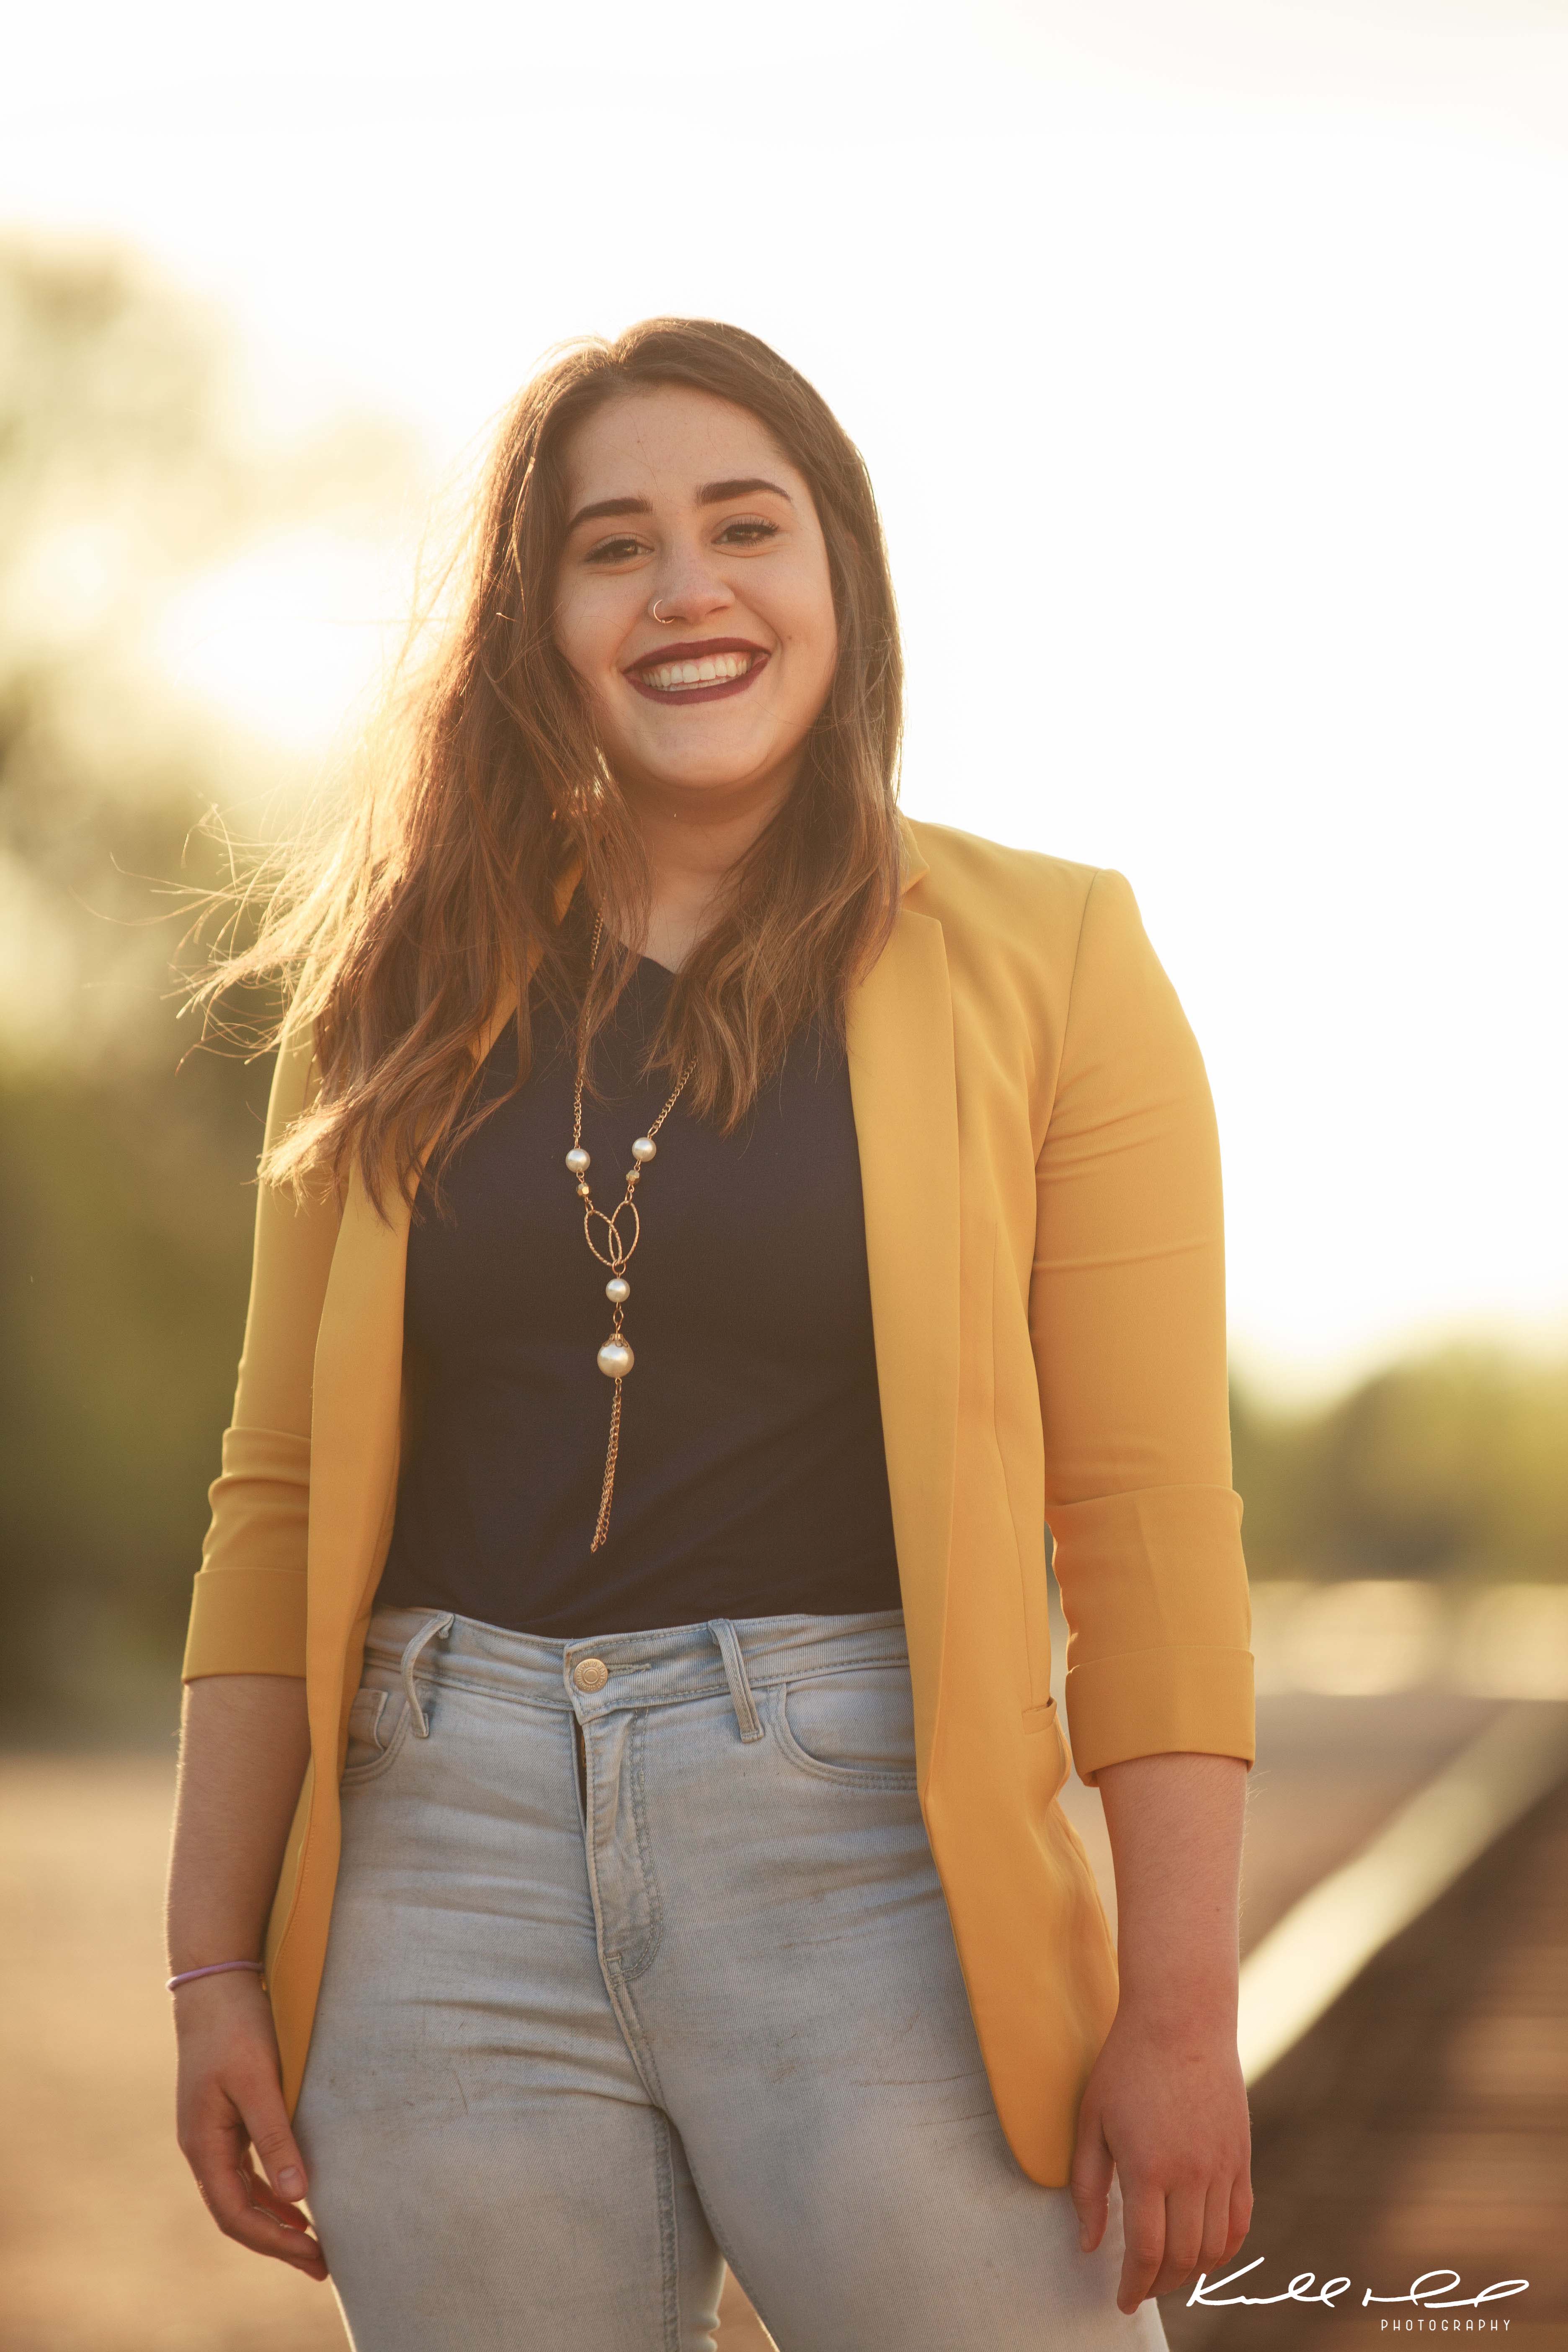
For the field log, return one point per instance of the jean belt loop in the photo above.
(413, 1650)
(729, 1642)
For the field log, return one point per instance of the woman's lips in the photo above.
(698, 673)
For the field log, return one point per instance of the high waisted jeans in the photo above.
(639, 1961)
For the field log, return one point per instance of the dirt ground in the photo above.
(105, 2243)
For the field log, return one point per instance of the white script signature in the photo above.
(1433, 2290)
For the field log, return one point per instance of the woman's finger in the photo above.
(1185, 2209)
(1090, 2187)
(262, 2193)
(1143, 2226)
(296, 2242)
(1216, 2244)
(1240, 2212)
(225, 2187)
(259, 2098)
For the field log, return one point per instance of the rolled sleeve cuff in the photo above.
(1160, 1702)
(247, 1609)
(246, 1621)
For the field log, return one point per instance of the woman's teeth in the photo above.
(713, 669)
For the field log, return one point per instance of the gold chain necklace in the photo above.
(615, 1358)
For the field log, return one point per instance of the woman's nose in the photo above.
(688, 594)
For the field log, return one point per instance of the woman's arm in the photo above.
(243, 1756)
(1127, 1314)
(246, 1741)
(1165, 2104)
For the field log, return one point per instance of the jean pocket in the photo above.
(378, 1721)
(855, 1726)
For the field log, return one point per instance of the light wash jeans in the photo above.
(634, 1971)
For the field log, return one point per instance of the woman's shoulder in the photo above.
(1045, 936)
(1024, 897)
(957, 859)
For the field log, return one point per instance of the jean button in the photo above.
(590, 1673)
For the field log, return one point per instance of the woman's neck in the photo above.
(693, 839)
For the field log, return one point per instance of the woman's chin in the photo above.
(733, 770)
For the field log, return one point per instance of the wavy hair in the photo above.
(436, 894)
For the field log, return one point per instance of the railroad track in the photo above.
(1421, 2122)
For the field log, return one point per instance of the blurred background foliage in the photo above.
(126, 1156)
(1451, 1465)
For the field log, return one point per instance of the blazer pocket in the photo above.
(1040, 1718)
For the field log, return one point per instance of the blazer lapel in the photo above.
(904, 1091)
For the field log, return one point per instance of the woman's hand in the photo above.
(242, 1764)
(230, 2100)
(1167, 2106)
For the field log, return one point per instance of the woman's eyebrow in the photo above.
(711, 494)
(714, 494)
(609, 507)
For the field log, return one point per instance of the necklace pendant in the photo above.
(615, 1358)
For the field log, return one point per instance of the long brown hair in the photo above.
(439, 893)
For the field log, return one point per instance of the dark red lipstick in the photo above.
(697, 649)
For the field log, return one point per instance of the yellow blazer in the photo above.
(1043, 1224)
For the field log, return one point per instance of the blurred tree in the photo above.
(1453, 1463)
(125, 1171)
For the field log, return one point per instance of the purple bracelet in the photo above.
(216, 1969)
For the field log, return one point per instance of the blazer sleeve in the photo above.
(247, 1612)
(1127, 1317)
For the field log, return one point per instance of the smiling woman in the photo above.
(662, 1829)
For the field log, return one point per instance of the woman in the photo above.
(623, 1619)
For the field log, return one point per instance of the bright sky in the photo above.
(1211, 361)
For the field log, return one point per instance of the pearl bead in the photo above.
(645, 1148)
(617, 1290)
(615, 1358)
(578, 1160)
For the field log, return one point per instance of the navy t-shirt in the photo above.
(751, 1479)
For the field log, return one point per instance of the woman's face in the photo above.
(681, 502)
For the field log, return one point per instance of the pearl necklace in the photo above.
(615, 1357)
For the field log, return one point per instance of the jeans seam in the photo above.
(669, 2246)
(611, 1969)
(711, 2214)
(633, 1964)
(441, 1677)
(579, 1774)
(634, 2033)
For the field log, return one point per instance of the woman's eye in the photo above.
(748, 532)
(613, 550)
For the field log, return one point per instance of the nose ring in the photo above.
(659, 617)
